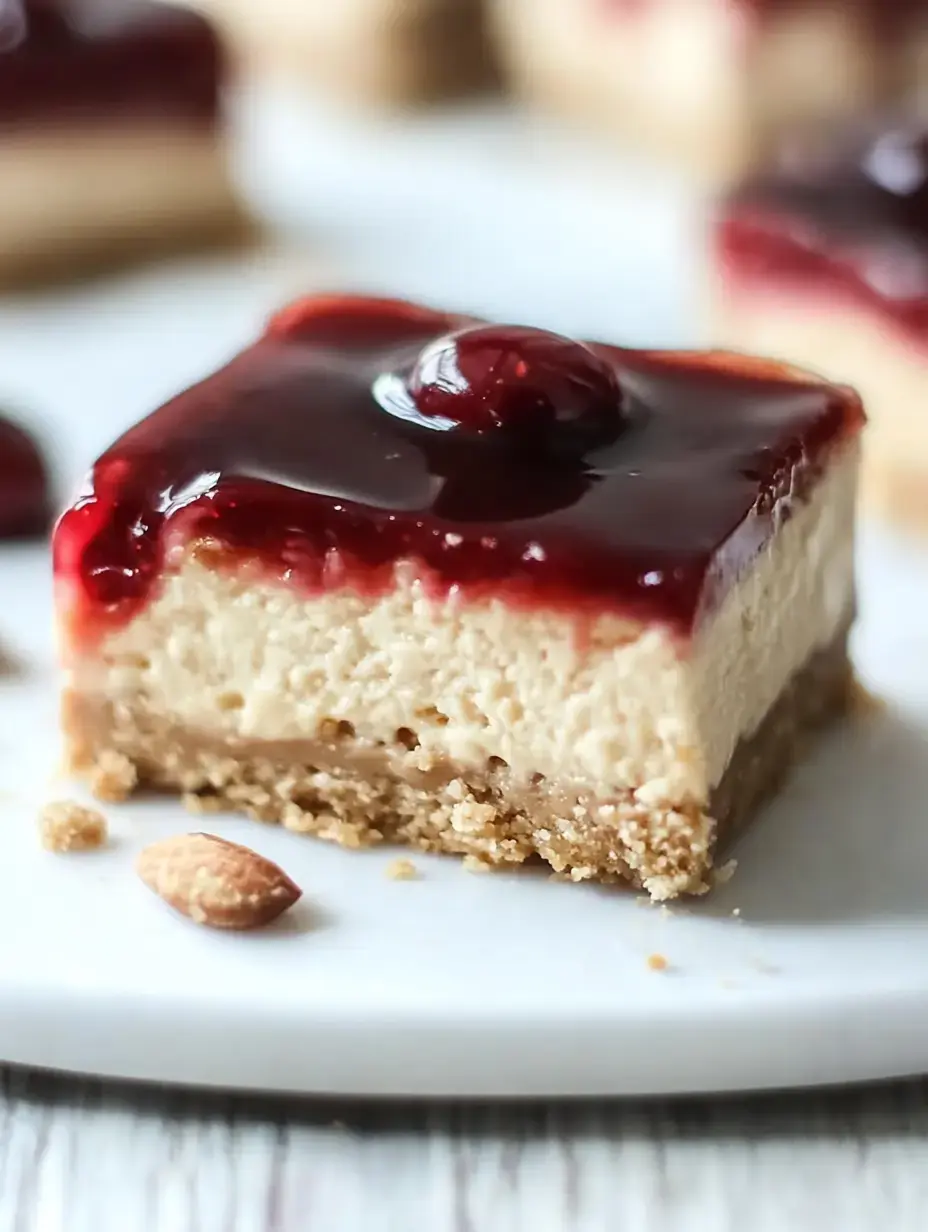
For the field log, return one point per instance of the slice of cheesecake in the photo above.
(369, 51)
(111, 138)
(397, 574)
(710, 83)
(821, 259)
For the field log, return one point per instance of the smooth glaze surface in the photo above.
(607, 479)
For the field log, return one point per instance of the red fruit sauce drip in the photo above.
(503, 461)
(62, 60)
(25, 503)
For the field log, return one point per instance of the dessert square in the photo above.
(369, 51)
(397, 574)
(821, 259)
(711, 83)
(111, 141)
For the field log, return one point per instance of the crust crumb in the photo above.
(764, 968)
(402, 870)
(863, 704)
(9, 664)
(199, 804)
(474, 864)
(724, 873)
(65, 825)
(114, 777)
(657, 962)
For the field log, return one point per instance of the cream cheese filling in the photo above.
(622, 706)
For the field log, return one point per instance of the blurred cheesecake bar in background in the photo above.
(709, 83)
(821, 259)
(111, 138)
(372, 51)
(398, 574)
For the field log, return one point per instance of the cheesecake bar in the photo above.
(25, 499)
(821, 259)
(710, 83)
(400, 574)
(368, 51)
(111, 139)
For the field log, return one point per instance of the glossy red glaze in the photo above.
(512, 386)
(847, 217)
(25, 503)
(309, 454)
(106, 59)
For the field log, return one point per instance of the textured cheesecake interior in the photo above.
(606, 748)
(77, 198)
(845, 340)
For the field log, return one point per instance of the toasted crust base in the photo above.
(354, 794)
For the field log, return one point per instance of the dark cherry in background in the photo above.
(309, 454)
(25, 501)
(106, 60)
(859, 181)
(844, 211)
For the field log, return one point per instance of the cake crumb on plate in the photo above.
(402, 870)
(65, 825)
(724, 873)
(657, 962)
(474, 864)
(864, 704)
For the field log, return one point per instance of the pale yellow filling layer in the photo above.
(63, 188)
(620, 706)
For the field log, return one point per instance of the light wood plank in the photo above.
(78, 1156)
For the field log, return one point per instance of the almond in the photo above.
(217, 883)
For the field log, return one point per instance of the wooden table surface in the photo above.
(82, 1156)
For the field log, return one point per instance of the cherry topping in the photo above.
(335, 449)
(515, 385)
(351, 322)
(24, 494)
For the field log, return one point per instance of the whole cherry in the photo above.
(514, 385)
(25, 501)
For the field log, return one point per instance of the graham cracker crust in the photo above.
(358, 794)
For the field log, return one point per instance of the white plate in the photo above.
(453, 984)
